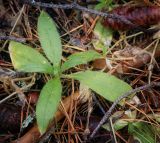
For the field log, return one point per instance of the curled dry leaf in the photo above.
(139, 16)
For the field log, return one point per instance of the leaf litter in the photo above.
(132, 56)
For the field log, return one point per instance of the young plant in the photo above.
(27, 59)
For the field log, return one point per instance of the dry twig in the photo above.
(107, 114)
(76, 6)
(22, 40)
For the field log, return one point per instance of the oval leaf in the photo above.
(25, 58)
(143, 132)
(49, 38)
(48, 103)
(103, 37)
(80, 58)
(104, 84)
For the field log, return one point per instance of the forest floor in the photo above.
(130, 49)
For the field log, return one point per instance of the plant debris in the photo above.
(120, 38)
(140, 16)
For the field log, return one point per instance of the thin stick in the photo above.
(76, 6)
(17, 19)
(22, 40)
(107, 114)
(11, 95)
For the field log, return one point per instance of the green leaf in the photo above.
(104, 84)
(103, 4)
(80, 58)
(103, 37)
(48, 103)
(119, 124)
(49, 38)
(27, 59)
(142, 132)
